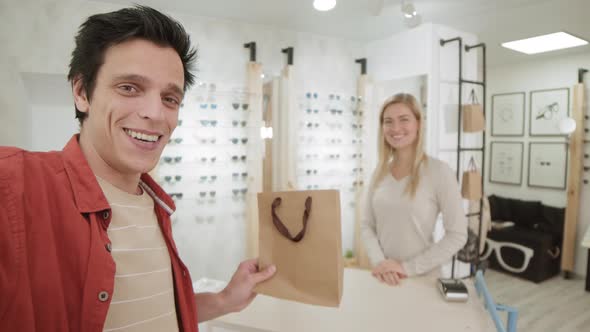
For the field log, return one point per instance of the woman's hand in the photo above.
(389, 271)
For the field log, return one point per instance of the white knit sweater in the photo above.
(395, 226)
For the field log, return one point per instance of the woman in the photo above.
(407, 192)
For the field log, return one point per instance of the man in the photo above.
(85, 236)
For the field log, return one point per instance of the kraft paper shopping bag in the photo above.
(300, 233)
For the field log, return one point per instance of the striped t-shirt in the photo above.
(143, 297)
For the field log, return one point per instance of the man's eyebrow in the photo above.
(131, 77)
(175, 88)
(142, 79)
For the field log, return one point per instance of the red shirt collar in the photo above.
(87, 192)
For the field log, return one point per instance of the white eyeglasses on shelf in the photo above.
(521, 255)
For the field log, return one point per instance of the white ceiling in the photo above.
(493, 21)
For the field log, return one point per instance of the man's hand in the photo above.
(390, 272)
(238, 294)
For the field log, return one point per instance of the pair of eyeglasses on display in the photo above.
(312, 186)
(312, 156)
(307, 139)
(207, 123)
(205, 140)
(205, 106)
(174, 141)
(239, 192)
(176, 196)
(311, 171)
(334, 97)
(310, 95)
(334, 140)
(237, 175)
(203, 194)
(358, 183)
(511, 256)
(210, 178)
(357, 170)
(237, 123)
(357, 113)
(236, 106)
(357, 141)
(334, 111)
(172, 179)
(239, 158)
(236, 140)
(310, 125)
(207, 102)
(357, 126)
(335, 125)
(172, 160)
(357, 155)
(205, 159)
(310, 111)
(334, 156)
(201, 219)
(238, 215)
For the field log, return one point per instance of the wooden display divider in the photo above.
(576, 144)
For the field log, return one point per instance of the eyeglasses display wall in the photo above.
(205, 169)
(329, 149)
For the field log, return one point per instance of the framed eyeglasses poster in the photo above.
(547, 165)
(506, 162)
(548, 107)
(508, 114)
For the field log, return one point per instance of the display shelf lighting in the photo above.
(545, 43)
(324, 5)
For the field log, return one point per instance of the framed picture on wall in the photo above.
(506, 163)
(547, 108)
(547, 165)
(508, 114)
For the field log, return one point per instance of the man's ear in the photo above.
(80, 97)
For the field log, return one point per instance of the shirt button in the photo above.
(108, 247)
(103, 296)
(105, 215)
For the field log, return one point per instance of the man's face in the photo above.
(134, 106)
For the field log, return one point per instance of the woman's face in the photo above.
(400, 126)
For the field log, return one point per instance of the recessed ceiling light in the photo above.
(409, 10)
(324, 5)
(545, 43)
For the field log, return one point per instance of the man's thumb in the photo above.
(264, 274)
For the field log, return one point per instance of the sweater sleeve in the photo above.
(450, 203)
(369, 233)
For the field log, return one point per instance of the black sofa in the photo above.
(537, 226)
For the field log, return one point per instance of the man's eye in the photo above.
(171, 100)
(128, 88)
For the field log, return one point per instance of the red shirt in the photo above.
(56, 270)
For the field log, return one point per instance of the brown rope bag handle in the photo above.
(281, 227)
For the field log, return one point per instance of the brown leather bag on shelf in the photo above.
(300, 233)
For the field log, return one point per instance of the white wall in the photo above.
(525, 77)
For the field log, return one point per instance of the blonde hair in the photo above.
(386, 153)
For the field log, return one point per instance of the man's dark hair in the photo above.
(101, 31)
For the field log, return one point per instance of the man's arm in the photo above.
(236, 296)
